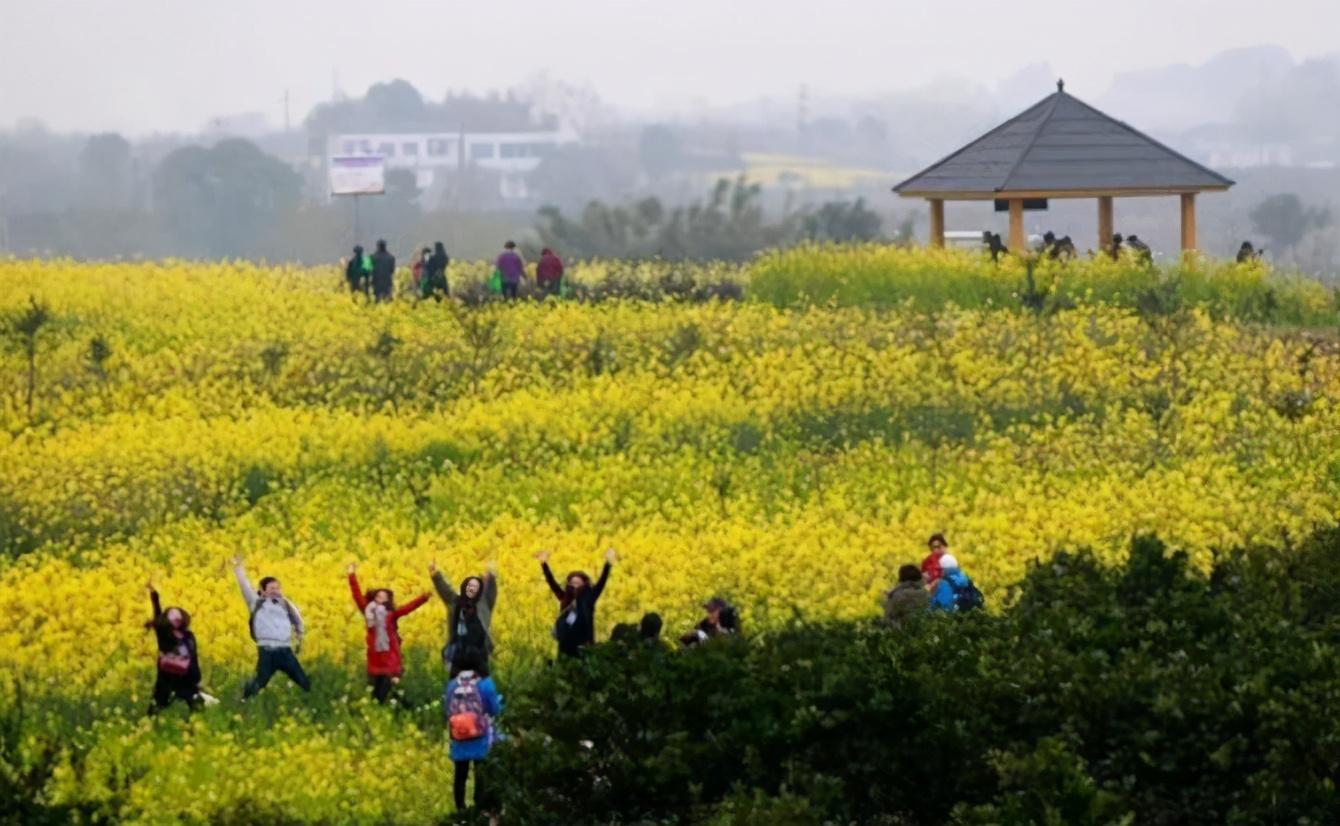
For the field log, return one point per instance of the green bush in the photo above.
(1145, 693)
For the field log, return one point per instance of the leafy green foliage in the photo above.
(1145, 693)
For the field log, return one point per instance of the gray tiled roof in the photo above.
(1060, 144)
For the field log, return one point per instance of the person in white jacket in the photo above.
(277, 628)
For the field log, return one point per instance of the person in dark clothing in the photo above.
(1064, 249)
(178, 658)
(353, 272)
(995, 246)
(435, 274)
(908, 598)
(1247, 253)
(1143, 253)
(469, 618)
(383, 273)
(575, 627)
(722, 620)
(1115, 249)
(549, 273)
(649, 629)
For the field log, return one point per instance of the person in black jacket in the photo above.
(722, 620)
(435, 274)
(383, 273)
(575, 627)
(353, 272)
(178, 657)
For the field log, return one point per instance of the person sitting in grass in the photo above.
(907, 599)
(954, 591)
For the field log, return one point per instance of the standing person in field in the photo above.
(178, 658)
(353, 271)
(512, 269)
(575, 627)
(381, 617)
(470, 703)
(435, 273)
(955, 591)
(469, 617)
(549, 273)
(277, 628)
(930, 566)
(722, 620)
(383, 273)
(907, 599)
(416, 272)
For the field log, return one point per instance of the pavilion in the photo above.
(1062, 148)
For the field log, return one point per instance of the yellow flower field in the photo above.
(788, 459)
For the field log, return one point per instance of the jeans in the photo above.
(509, 291)
(270, 660)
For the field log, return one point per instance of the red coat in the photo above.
(384, 663)
(930, 568)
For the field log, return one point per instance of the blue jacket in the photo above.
(943, 597)
(478, 748)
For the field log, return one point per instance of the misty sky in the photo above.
(145, 65)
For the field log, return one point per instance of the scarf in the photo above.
(375, 614)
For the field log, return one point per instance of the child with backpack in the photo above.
(178, 658)
(277, 628)
(382, 618)
(471, 703)
(954, 591)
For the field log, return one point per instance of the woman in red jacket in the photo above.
(381, 618)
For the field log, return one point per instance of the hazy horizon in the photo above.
(163, 66)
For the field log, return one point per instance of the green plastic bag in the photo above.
(495, 282)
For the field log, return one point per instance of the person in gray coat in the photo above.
(907, 599)
(469, 618)
(277, 628)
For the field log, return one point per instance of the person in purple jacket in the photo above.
(512, 268)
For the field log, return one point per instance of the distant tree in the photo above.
(576, 174)
(222, 201)
(104, 172)
(1284, 220)
(842, 221)
(397, 104)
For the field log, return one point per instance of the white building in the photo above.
(433, 155)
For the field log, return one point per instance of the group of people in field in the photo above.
(471, 700)
(373, 275)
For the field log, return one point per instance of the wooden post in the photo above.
(937, 222)
(1017, 242)
(1105, 223)
(1188, 221)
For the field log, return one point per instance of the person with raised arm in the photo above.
(469, 617)
(382, 620)
(277, 628)
(575, 627)
(178, 657)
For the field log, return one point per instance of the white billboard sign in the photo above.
(357, 175)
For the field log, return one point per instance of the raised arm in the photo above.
(444, 589)
(559, 593)
(491, 588)
(411, 606)
(153, 600)
(248, 593)
(354, 588)
(599, 587)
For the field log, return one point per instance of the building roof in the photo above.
(1060, 145)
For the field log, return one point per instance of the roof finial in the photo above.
(1060, 84)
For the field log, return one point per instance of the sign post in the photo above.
(357, 175)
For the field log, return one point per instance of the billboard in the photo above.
(357, 175)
